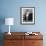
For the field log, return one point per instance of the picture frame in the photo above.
(27, 15)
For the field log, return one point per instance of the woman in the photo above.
(28, 15)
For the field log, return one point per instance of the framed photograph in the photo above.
(27, 15)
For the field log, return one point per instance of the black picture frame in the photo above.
(27, 15)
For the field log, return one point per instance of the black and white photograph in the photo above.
(27, 15)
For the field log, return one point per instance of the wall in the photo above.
(11, 8)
